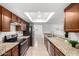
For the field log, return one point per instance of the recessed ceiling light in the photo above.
(39, 17)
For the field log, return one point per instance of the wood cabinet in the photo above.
(21, 26)
(19, 20)
(24, 25)
(8, 53)
(49, 48)
(12, 52)
(5, 19)
(14, 18)
(57, 52)
(52, 49)
(18, 28)
(46, 42)
(0, 18)
(15, 51)
(71, 22)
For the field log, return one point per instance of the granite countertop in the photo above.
(4, 47)
(64, 46)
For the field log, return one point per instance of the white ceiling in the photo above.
(20, 8)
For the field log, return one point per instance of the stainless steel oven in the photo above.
(23, 47)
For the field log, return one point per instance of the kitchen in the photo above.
(39, 29)
(13, 29)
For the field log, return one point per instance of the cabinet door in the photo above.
(18, 28)
(24, 26)
(0, 18)
(46, 43)
(6, 18)
(49, 48)
(58, 52)
(21, 25)
(15, 51)
(52, 49)
(7, 53)
(14, 18)
(71, 23)
(19, 20)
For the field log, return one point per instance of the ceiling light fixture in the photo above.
(27, 14)
(50, 14)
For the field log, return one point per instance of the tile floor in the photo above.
(37, 51)
(38, 48)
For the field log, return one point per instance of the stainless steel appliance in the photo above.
(24, 44)
(23, 47)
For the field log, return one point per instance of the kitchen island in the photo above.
(57, 46)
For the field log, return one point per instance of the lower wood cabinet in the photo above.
(13, 52)
(46, 43)
(49, 48)
(52, 49)
(58, 52)
(8, 53)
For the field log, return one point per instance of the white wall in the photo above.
(54, 29)
(55, 25)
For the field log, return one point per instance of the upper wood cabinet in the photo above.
(18, 27)
(14, 18)
(0, 18)
(24, 26)
(19, 20)
(5, 19)
(71, 22)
